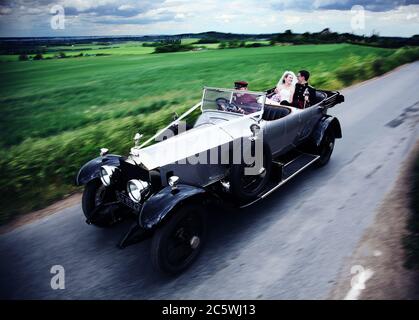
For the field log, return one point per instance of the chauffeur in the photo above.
(246, 102)
(304, 95)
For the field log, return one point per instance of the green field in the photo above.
(57, 113)
(125, 48)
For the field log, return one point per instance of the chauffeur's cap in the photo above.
(240, 84)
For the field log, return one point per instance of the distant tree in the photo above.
(287, 36)
(242, 44)
(23, 57)
(176, 47)
(222, 45)
(208, 40)
(38, 56)
(254, 45)
(62, 55)
(170, 41)
(374, 36)
(233, 44)
(152, 44)
(272, 42)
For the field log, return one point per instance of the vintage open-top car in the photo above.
(241, 147)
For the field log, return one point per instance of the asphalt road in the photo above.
(291, 245)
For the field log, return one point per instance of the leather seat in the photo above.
(274, 113)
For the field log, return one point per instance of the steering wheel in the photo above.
(224, 105)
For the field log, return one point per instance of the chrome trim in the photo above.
(110, 170)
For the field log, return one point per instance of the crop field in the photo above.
(124, 48)
(57, 113)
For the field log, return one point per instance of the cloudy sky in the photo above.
(119, 17)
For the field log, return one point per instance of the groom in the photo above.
(304, 95)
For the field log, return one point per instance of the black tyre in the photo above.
(248, 187)
(179, 241)
(325, 149)
(94, 195)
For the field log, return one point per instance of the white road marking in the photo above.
(377, 253)
(356, 290)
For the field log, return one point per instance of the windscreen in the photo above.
(235, 101)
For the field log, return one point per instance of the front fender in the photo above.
(91, 169)
(324, 124)
(158, 206)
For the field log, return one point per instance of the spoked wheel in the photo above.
(247, 187)
(95, 198)
(178, 242)
(325, 149)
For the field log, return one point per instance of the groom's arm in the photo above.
(312, 95)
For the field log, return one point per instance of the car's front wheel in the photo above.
(179, 241)
(94, 200)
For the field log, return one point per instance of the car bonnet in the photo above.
(192, 142)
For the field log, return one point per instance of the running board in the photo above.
(289, 171)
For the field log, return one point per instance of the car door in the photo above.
(281, 133)
(307, 120)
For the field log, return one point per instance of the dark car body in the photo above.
(195, 164)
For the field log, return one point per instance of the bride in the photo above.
(285, 88)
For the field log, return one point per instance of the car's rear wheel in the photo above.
(325, 149)
(247, 187)
(94, 200)
(179, 241)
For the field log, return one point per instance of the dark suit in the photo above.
(298, 98)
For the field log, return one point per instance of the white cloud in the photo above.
(83, 5)
(126, 7)
(107, 17)
(292, 20)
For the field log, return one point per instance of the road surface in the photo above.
(290, 246)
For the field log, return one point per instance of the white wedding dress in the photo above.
(284, 93)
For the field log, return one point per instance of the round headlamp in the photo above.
(106, 173)
(136, 188)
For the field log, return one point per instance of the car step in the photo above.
(299, 163)
(289, 171)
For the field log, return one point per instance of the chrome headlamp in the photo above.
(136, 189)
(106, 173)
